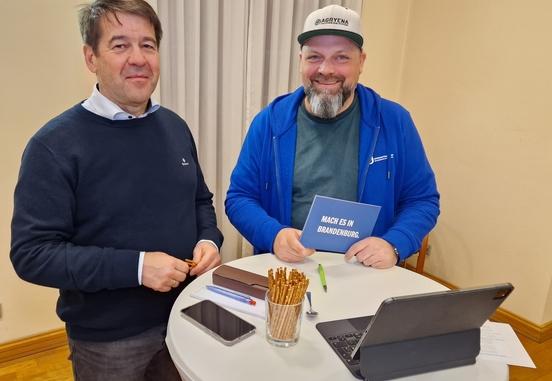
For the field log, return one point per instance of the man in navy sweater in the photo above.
(111, 200)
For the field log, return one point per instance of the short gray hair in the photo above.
(91, 14)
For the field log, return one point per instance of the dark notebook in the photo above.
(405, 318)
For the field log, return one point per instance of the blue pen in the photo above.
(230, 294)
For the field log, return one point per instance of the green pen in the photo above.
(322, 275)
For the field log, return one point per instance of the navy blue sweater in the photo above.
(92, 193)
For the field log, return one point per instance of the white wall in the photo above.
(385, 27)
(476, 77)
(43, 74)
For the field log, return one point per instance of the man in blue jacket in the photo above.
(337, 138)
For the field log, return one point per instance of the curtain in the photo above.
(222, 61)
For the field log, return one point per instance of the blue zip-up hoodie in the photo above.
(393, 172)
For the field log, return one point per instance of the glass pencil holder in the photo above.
(283, 322)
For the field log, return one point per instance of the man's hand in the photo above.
(288, 248)
(374, 252)
(206, 256)
(162, 272)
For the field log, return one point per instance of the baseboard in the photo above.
(538, 333)
(535, 332)
(31, 345)
(547, 331)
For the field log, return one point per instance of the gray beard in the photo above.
(325, 105)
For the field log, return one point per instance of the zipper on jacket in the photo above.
(370, 161)
(388, 165)
(278, 182)
(382, 158)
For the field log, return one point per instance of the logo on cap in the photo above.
(332, 20)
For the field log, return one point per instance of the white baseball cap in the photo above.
(334, 20)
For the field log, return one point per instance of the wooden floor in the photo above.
(46, 366)
(54, 366)
(541, 354)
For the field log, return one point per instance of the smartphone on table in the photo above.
(218, 322)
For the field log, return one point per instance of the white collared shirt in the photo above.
(100, 105)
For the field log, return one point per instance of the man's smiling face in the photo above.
(126, 61)
(330, 67)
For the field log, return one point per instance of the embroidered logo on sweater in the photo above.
(184, 162)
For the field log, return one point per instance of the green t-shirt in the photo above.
(326, 159)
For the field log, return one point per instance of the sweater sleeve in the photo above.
(244, 200)
(417, 198)
(43, 225)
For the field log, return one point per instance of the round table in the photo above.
(353, 290)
